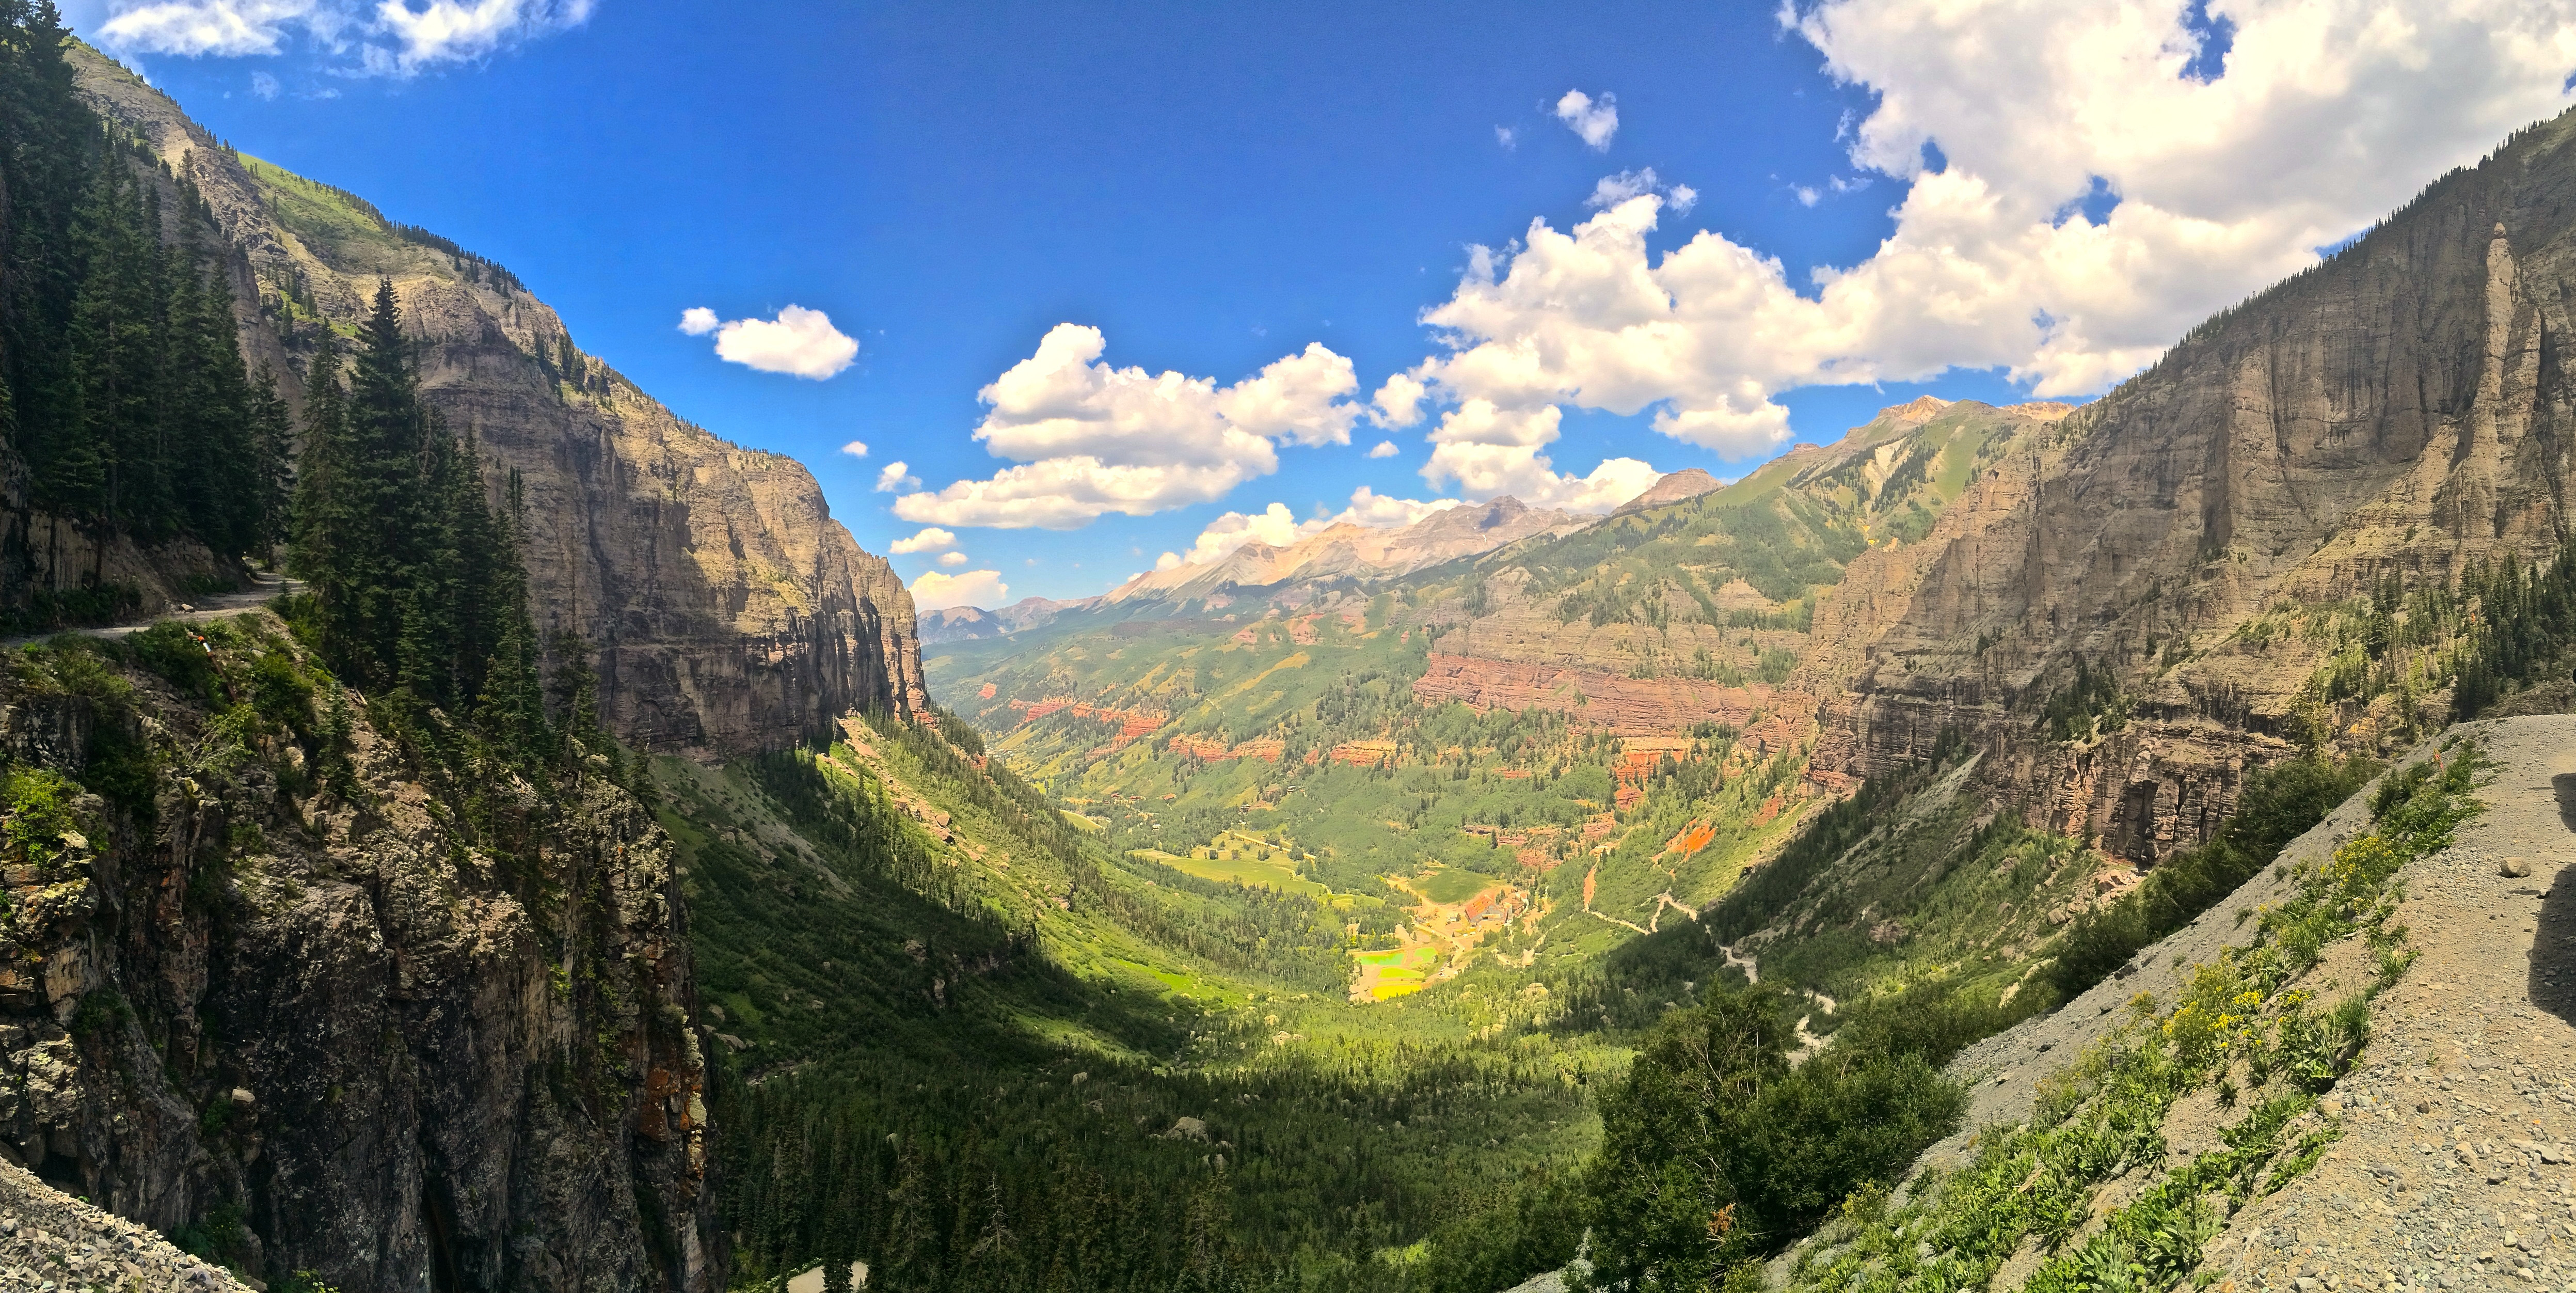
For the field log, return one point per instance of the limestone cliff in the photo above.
(277, 983)
(730, 612)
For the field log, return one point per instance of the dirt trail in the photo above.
(2454, 1169)
(265, 588)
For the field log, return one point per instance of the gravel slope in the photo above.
(52, 1241)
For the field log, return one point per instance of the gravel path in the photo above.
(51, 1241)
(2454, 1171)
(264, 588)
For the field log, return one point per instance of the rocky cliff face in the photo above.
(730, 612)
(2394, 414)
(269, 985)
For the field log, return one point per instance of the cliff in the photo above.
(2211, 531)
(729, 611)
(272, 986)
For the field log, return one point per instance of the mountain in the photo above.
(968, 623)
(2259, 542)
(328, 985)
(1348, 551)
(728, 611)
(1673, 487)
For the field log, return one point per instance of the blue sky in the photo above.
(1215, 187)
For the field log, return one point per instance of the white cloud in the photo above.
(1398, 403)
(799, 342)
(937, 592)
(388, 38)
(1615, 189)
(225, 28)
(896, 476)
(1594, 120)
(1272, 525)
(1487, 451)
(1384, 449)
(856, 448)
(263, 85)
(952, 560)
(1276, 526)
(2329, 114)
(1506, 136)
(445, 31)
(1087, 439)
(1379, 512)
(698, 321)
(929, 540)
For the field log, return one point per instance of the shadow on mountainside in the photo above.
(2553, 943)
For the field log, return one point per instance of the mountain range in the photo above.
(1338, 914)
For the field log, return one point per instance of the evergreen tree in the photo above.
(333, 541)
(272, 479)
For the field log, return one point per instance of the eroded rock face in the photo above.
(729, 611)
(2399, 411)
(333, 1030)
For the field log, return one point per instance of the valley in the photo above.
(513, 837)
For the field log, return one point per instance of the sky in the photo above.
(1047, 295)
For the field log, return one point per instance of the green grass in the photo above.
(1446, 886)
(1276, 875)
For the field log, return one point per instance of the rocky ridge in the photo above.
(729, 612)
(260, 979)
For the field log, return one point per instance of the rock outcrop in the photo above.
(729, 611)
(2396, 413)
(269, 985)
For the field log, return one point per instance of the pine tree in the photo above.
(332, 546)
(272, 481)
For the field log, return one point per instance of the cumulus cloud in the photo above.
(1379, 512)
(931, 539)
(1506, 136)
(1276, 526)
(1615, 189)
(856, 448)
(1087, 439)
(896, 476)
(1593, 120)
(1384, 449)
(2326, 115)
(799, 342)
(1488, 451)
(388, 38)
(1273, 525)
(937, 592)
(263, 85)
(952, 560)
(1398, 402)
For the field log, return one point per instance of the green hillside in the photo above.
(1202, 953)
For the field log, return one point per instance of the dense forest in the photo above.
(122, 386)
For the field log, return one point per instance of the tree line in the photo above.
(122, 386)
